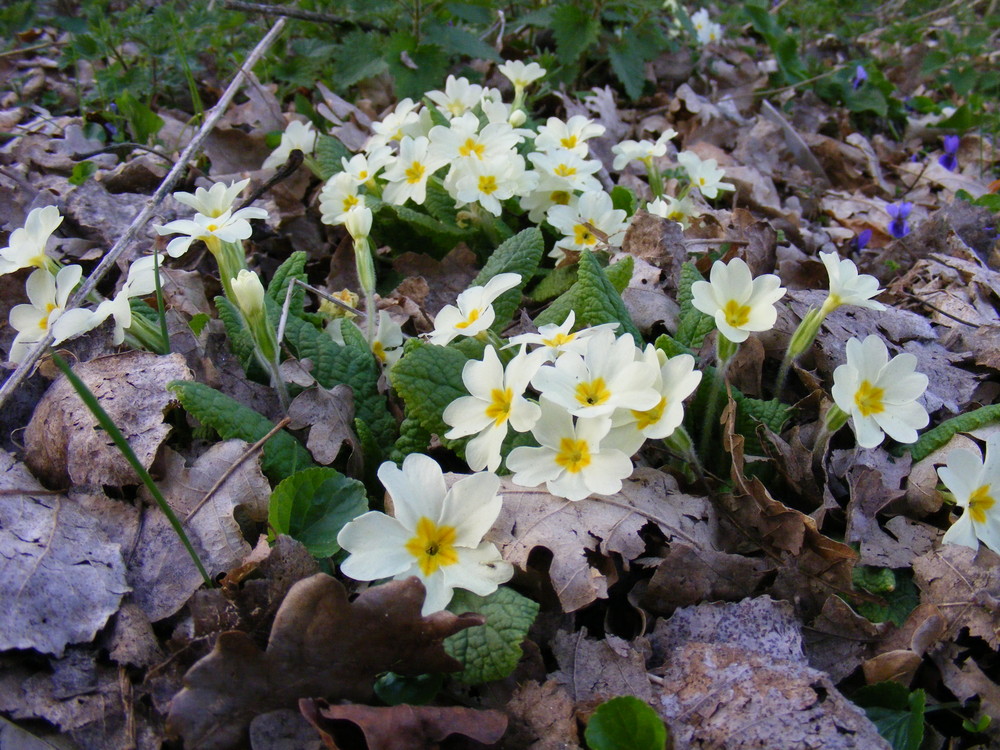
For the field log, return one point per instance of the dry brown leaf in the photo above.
(542, 717)
(320, 645)
(875, 480)
(284, 729)
(63, 441)
(573, 531)
(839, 639)
(964, 677)
(593, 671)
(964, 584)
(161, 573)
(329, 415)
(735, 677)
(60, 577)
(403, 727)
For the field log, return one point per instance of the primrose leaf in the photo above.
(575, 29)
(240, 341)
(594, 297)
(490, 651)
(329, 151)
(359, 58)
(428, 378)
(520, 254)
(933, 439)
(625, 723)
(283, 454)
(693, 325)
(897, 713)
(293, 268)
(772, 413)
(629, 67)
(898, 590)
(413, 438)
(313, 505)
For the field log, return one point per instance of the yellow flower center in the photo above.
(473, 317)
(212, 227)
(559, 197)
(651, 416)
(415, 173)
(487, 184)
(701, 181)
(564, 170)
(559, 339)
(43, 322)
(569, 142)
(379, 351)
(455, 107)
(592, 393)
(433, 546)
(573, 455)
(363, 174)
(350, 202)
(583, 236)
(737, 315)
(472, 148)
(868, 399)
(499, 408)
(980, 501)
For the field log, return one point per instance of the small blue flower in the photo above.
(860, 76)
(950, 158)
(898, 227)
(861, 241)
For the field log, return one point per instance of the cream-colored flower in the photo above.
(975, 485)
(297, 136)
(847, 286)
(681, 211)
(472, 312)
(213, 231)
(219, 199)
(141, 281)
(48, 295)
(521, 75)
(458, 97)
(388, 343)
(556, 340)
(571, 135)
(739, 303)
(338, 197)
(704, 175)
(436, 533)
(594, 209)
(249, 293)
(407, 176)
(880, 394)
(26, 246)
(644, 151)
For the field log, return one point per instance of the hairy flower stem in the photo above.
(725, 350)
(654, 176)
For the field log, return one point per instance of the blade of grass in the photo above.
(111, 428)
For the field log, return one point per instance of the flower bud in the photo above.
(249, 293)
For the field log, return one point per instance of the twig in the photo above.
(935, 308)
(286, 307)
(267, 9)
(28, 363)
(33, 48)
(228, 472)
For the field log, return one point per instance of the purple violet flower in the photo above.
(861, 241)
(860, 76)
(898, 227)
(950, 158)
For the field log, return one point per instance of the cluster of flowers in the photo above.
(50, 285)
(705, 29)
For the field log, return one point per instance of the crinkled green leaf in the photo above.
(625, 723)
(440, 204)
(294, 267)
(629, 66)
(772, 413)
(240, 341)
(594, 297)
(428, 378)
(413, 438)
(554, 283)
(429, 65)
(283, 454)
(623, 199)
(933, 439)
(490, 651)
(313, 505)
(521, 254)
(359, 57)
(693, 325)
(897, 713)
(329, 151)
(575, 29)
(671, 346)
(896, 588)
(456, 40)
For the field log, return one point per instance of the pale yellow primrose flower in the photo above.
(338, 197)
(668, 207)
(605, 378)
(594, 208)
(629, 151)
(556, 340)
(739, 303)
(248, 293)
(975, 485)
(364, 167)
(402, 121)
(521, 75)
(458, 96)
(140, 282)
(218, 199)
(571, 135)
(706, 30)
(880, 394)
(213, 231)
(563, 164)
(27, 244)
(574, 460)
(48, 295)
(436, 533)
(704, 175)
(676, 380)
(496, 401)
(847, 286)
(472, 312)
(297, 135)
(407, 176)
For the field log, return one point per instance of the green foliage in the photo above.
(784, 45)
(897, 713)
(939, 436)
(329, 152)
(574, 29)
(294, 267)
(413, 438)
(693, 325)
(594, 297)
(490, 651)
(313, 505)
(624, 199)
(671, 346)
(987, 200)
(428, 378)
(283, 454)
(414, 690)
(625, 723)
(82, 171)
(896, 588)
(143, 122)
(240, 341)
(521, 254)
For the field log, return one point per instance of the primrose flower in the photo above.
(248, 293)
(704, 175)
(521, 75)
(739, 303)
(48, 295)
(489, 181)
(644, 151)
(556, 340)
(949, 160)
(606, 377)
(847, 286)
(27, 243)
(458, 97)
(680, 210)
(388, 344)
(140, 282)
(363, 167)
(705, 29)
(402, 121)
(975, 484)
(218, 199)
(338, 197)
(594, 208)
(898, 227)
(562, 165)
(571, 135)
(473, 310)
(436, 533)
(407, 176)
(297, 136)
(226, 227)
(546, 195)
(880, 395)
(574, 460)
(860, 76)
(496, 401)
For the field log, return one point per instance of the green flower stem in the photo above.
(313, 166)
(725, 350)
(141, 334)
(484, 219)
(835, 419)
(655, 177)
(116, 435)
(161, 308)
(679, 442)
(365, 266)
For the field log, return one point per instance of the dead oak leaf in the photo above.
(403, 727)
(595, 670)
(542, 717)
(601, 524)
(320, 645)
(964, 584)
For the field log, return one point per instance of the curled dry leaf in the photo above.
(320, 645)
(574, 531)
(63, 441)
(404, 727)
(329, 414)
(593, 671)
(964, 584)
(734, 676)
(60, 577)
(542, 717)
